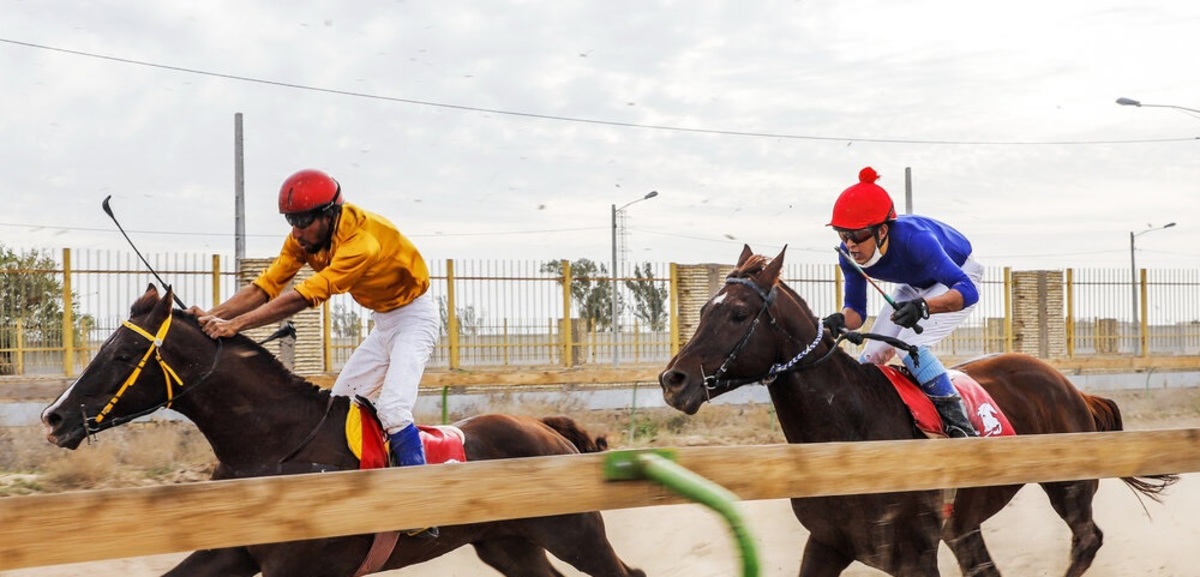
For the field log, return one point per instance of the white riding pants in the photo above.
(387, 367)
(936, 327)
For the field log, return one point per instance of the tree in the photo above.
(31, 301)
(345, 322)
(650, 297)
(469, 322)
(591, 290)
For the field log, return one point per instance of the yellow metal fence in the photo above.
(526, 314)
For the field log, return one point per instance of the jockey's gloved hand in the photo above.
(908, 313)
(835, 323)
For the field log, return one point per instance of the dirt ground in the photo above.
(1026, 539)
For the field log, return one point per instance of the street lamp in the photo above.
(1131, 102)
(1134, 277)
(613, 318)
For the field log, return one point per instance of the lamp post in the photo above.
(1131, 102)
(613, 318)
(1134, 280)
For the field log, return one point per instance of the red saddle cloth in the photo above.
(365, 437)
(984, 413)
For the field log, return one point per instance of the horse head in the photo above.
(142, 367)
(741, 336)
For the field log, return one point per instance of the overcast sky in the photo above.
(508, 130)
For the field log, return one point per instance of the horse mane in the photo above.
(250, 350)
(753, 265)
(567, 427)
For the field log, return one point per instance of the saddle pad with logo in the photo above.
(365, 437)
(984, 413)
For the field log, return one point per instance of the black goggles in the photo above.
(302, 219)
(857, 236)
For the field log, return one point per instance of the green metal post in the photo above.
(659, 466)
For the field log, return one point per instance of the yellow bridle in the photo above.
(169, 374)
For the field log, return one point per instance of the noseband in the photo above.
(715, 380)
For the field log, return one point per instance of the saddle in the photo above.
(368, 442)
(982, 410)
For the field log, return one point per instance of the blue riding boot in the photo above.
(934, 381)
(407, 450)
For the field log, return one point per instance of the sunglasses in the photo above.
(857, 236)
(301, 219)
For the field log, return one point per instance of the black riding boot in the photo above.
(954, 416)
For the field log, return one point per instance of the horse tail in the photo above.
(1107, 416)
(1105, 413)
(567, 427)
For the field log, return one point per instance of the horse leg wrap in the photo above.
(954, 416)
(406, 447)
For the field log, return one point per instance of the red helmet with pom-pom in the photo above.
(864, 204)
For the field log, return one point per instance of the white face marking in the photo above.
(720, 298)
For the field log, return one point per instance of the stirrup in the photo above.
(425, 533)
(954, 432)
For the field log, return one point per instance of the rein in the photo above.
(714, 381)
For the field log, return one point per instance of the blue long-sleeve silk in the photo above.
(921, 252)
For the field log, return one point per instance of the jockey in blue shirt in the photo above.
(936, 284)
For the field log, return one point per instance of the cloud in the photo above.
(1004, 114)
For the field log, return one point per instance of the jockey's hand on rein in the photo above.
(908, 313)
(835, 323)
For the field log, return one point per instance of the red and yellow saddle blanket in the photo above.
(365, 437)
(984, 413)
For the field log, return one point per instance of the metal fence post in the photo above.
(1008, 310)
(673, 309)
(565, 338)
(1070, 296)
(68, 317)
(451, 316)
(216, 280)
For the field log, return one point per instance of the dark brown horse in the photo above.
(757, 329)
(262, 420)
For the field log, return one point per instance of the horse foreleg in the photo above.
(972, 554)
(229, 562)
(820, 560)
(1073, 502)
(580, 540)
(516, 557)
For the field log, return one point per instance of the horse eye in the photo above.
(740, 315)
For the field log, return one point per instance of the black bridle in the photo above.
(715, 380)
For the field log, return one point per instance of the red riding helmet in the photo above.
(864, 204)
(309, 190)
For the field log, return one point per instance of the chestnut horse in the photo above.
(757, 329)
(260, 419)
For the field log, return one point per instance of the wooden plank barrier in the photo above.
(105, 524)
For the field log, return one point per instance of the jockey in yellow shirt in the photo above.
(362, 253)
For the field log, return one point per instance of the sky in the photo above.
(510, 130)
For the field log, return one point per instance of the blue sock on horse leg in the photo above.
(406, 446)
(930, 374)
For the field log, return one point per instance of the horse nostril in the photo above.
(671, 379)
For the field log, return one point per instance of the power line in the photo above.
(533, 115)
(230, 234)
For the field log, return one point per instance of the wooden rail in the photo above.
(48, 530)
(32, 387)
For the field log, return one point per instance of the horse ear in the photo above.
(165, 304)
(773, 268)
(746, 254)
